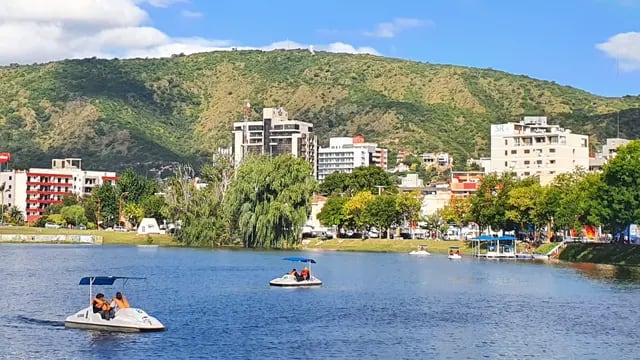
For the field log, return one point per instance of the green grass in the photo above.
(545, 248)
(108, 237)
(613, 254)
(383, 245)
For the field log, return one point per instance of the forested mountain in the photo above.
(144, 112)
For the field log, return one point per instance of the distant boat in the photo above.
(454, 253)
(290, 280)
(147, 246)
(422, 250)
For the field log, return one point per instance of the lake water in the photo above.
(217, 304)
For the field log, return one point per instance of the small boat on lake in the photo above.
(125, 319)
(454, 253)
(421, 250)
(293, 279)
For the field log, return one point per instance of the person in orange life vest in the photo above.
(100, 305)
(120, 301)
(304, 274)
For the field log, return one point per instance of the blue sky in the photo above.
(571, 42)
(547, 39)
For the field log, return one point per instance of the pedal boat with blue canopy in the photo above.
(289, 280)
(125, 320)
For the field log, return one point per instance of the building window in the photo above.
(505, 164)
(552, 150)
(527, 151)
(552, 172)
(539, 162)
(526, 173)
(552, 162)
(527, 162)
(514, 151)
(505, 153)
(506, 142)
(584, 143)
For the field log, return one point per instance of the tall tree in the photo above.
(73, 214)
(269, 200)
(382, 212)
(354, 209)
(409, 205)
(369, 179)
(332, 213)
(619, 196)
(335, 184)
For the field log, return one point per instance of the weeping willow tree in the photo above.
(270, 200)
(199, 211)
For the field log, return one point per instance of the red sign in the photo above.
(5, 157)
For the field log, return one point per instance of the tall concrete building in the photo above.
(532, 147)
(347, 153)
(274, 135)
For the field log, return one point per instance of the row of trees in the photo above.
(263, 203)
(368, 197)
(610, 199)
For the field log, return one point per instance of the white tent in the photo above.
(148, 226)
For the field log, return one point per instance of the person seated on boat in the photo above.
(294, 273)
(120, 301)
(458, 252)
(100, 305)
(304, 274)
(450, 252)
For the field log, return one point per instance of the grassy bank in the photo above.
(382, 245)
(614, 254)
(545, 248)
(108, 237)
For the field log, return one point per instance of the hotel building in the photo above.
(532, 147)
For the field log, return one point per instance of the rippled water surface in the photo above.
(217, 304)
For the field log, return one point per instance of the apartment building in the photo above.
(532, 147)
(347, 153)
(274, 135)
(608, 152)
(32, 191)
(440, 160)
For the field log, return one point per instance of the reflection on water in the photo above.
(611, 273)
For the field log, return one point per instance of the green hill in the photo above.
(141, 112)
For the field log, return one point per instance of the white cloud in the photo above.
(191, 14)
(93, 13)
(393, 28)
(40, 31)
(160, 3)
(625, 47)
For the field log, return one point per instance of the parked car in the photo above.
(52, 226)
(81, 227)
(119, 228)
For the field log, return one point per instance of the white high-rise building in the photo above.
(534, 148)
(275, 134)
(347, 153)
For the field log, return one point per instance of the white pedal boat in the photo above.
(125, 320)
(289, 280)
(421, 250)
